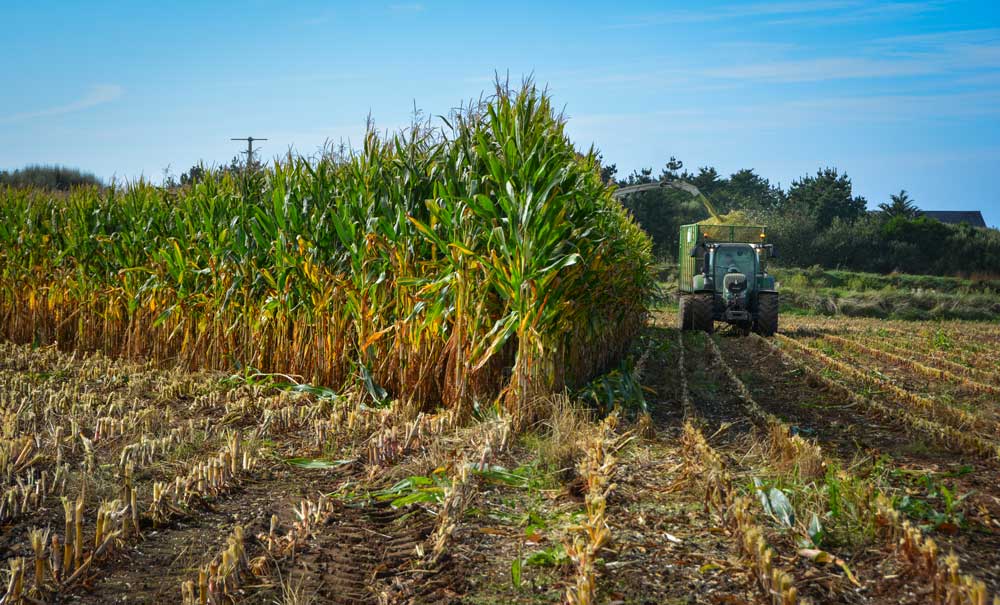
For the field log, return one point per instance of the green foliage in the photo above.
(447, 266)
(775, 503)
(515, 572)
(553, 556)
(825, 197)
(618, 388)
(875, 243)
(416, 489)
(817, 277)
(662, 211)
(900, 206)
(896, 295)
(932, 504)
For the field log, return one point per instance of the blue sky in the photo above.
(899, 94)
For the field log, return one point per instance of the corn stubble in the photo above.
(948, 584)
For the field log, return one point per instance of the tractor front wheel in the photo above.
(701, 312)
(767, 314)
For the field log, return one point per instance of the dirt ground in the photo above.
(394, 520)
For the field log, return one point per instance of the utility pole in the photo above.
(249, 150)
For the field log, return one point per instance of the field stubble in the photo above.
(763, 473)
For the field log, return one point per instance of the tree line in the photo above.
(817, 220)
(53, 177)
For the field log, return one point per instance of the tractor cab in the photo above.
(733, 266)
(731, 270)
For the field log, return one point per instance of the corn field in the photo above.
(430, 371)
(478, 262)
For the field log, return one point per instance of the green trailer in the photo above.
(723, 277)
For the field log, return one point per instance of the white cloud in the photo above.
(825, 68)
(948, 53)
(803, 12)
(943, 38)
(874, 12)
(318, 20)
(732, 12)
(97, 95)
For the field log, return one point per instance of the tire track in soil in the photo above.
(665, 548)
(152, 570)
(732, 428)
(717, 405)
(363, 553)
(844, 433)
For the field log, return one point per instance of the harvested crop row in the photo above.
(183, 520)
(933, 409)
(938, 343)
(118, 521)
(790, 448)
(593, 533)
(175, 499)
(947, 584)
(930, 372)
(413, 565)
(946, 435)
(933, 360)
(720, 496)
(686, 404)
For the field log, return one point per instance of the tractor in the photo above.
(723, 278)
(722, 271)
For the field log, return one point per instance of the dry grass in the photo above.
(563, 437)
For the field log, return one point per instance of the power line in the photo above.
(249, 150)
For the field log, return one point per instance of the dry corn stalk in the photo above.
(949, 586)
(931, 372)
(940, 412)
(720, 497)
(593, 533)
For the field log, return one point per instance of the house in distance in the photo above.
(956, 217)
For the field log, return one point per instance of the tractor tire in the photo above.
(701, 312)
(684, 312)
(767, 314)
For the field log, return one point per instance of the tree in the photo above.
(747, 190)
(707, 181)
(673, 169)
(608, 171)
(55, 177)
(901, 206)
(194, 175)
(825, 197)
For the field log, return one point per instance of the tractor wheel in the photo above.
(701, 312)
(767, 314)
(684, 312)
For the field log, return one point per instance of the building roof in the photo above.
(955, 217)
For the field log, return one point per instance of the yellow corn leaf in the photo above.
(376, 336)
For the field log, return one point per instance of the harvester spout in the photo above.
(678, 184)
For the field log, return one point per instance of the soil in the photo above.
(666, 545)
(857, 441)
